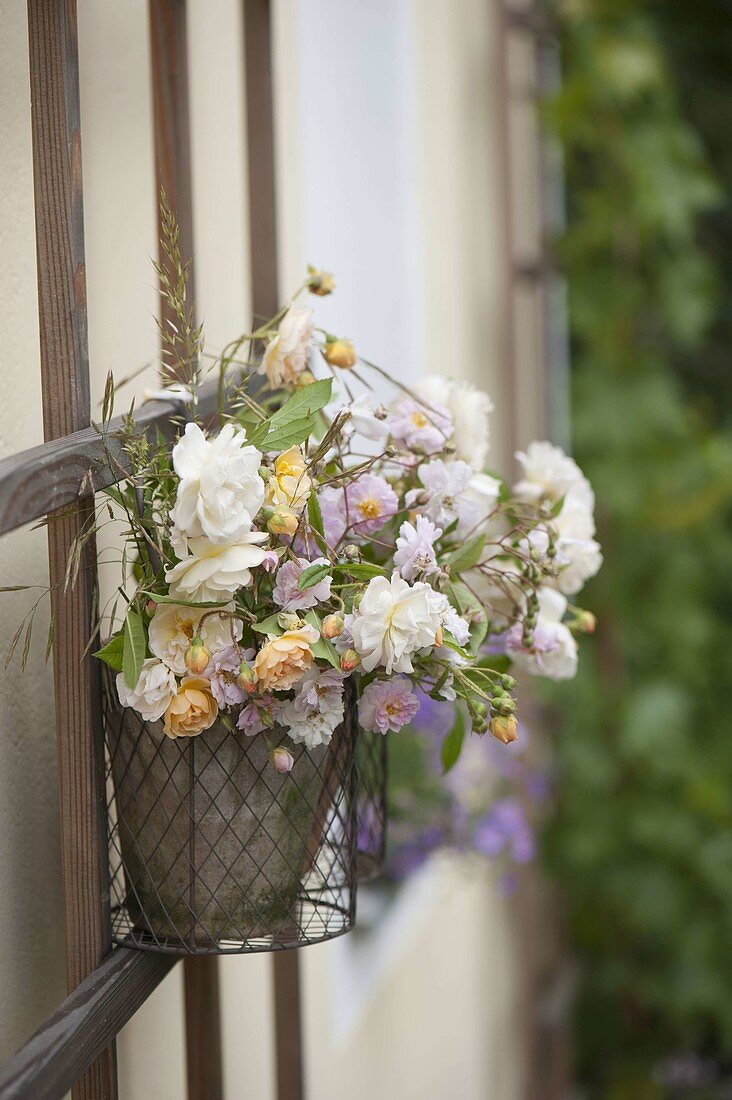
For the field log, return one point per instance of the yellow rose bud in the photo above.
(197, 657)
(245, 678)
(585, 622)
(349, 660)
(332, 626)
(504, 728)
(305, 379)
(282, 522)
(192, 709)
(340, 353)
(321, 283)
(439, 636)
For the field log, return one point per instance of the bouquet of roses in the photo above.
(315, 535)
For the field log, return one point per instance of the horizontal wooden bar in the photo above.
(53, 475)
(83, 1026)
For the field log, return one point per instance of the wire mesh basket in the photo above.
(371, 769)
(213, 851)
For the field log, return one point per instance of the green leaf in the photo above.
(112, 652)
(310, 399)
(134, 647)
(180, 603)
(478, 631)
(315, 517)
(453, 743)
(323, 648)
(465, 557)
(363, 570)
(313, 575)
(269, 626)
(287, 435)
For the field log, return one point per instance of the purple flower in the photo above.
(505, 828)
(387, 705)
(444, 494)
(270, 561)
(421, 427)
(222, 671)
(258, 716)
(332, 509)
(415, 552)
(369, 502)
(288, 596)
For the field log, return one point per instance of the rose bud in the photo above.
(349, 660)
(321, 283)
(439, 636)
(504, 728)
(282, 759)
(245, 678)
(332, 626)
(340, 353)
(197, 657)
(585, 622)
(282, 522)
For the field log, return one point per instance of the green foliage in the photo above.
(134, 647)
(642, 841)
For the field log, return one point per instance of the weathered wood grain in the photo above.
(261, 156)
(203, 1029)
(55, 125)
(61, 472)
(171, 123)
(82, 1027)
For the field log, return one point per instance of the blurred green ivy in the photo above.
(642, 838)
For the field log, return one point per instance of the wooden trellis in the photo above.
(75, 1048)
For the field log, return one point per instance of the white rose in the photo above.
(578, 554)
(286, 355)
(470, 409)
(365, 422)
(212, 573)
(393, 621)
(173, 626)
(554, 650)
(476, 503)
(220, 489)
(153, 691)
(549, 472)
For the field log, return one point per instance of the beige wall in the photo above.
(427, 994)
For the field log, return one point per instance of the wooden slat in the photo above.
(203, 1029)
(171, 121)
(168, 39)
(54, 78)
(260, 155)
(265, 300)
(288, 1025)
(59, 473)
(83, 1026)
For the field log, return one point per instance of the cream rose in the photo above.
(282, 662)
(286, 355)
(192, 709)
(393, 621)
(289, 486)
(220, 489)
(211, 573)
(153, 691)
(173, 627)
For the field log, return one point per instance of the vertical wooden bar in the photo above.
(55, 124)
(171, 124)
(263, 251)
(203, 1029)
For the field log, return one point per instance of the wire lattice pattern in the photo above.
(371, 767)
(213, 851)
